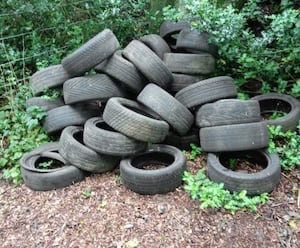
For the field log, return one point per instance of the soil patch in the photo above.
(113, 216)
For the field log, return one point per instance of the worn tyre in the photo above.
(236, 137)
(157, 44)
(228, 111)
(194, 41)
(69, 115)
(44, 103)
(124, 71)
(149, 64)
(86, 57)
(255, 183)
(130, 118)
(48, 179)
(190, 63)
(72, 148)
(183, 80)
(167, 107)
(206, 91)
(280, 103)
(94, 87)
(183, 142)
(157, 181)
(170, 28)
(104, 139)
(50, 77)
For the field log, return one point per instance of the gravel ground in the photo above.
(101, 212)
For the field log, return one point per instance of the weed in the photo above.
(87, 193)
(213, 195)
(286, 144)
(195, 151)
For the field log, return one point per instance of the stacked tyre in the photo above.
(230, 130)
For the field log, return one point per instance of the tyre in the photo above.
(183, 80)
(206, 91)
(94, 87)
(236, 137)
(167, 107)
(190, 63)
(183, 142)
(50, 77)
(72, 148)
(69, 115)
(228, 111)
(102, 138)
(124, 71)
(255, 183)
(130, 118)
(137, 178)
(170, 28)
(44, 103)
(157, 44)
(48, 179)
(192, 40)
(91, 53)
(283, 104)
(148, 63)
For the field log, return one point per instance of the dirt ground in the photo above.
(101, 212)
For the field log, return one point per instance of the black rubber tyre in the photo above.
(183, 142)
(124, 71)
(50, 77)
(157, 181)
(167, 107)
(157, 44)
(280, 103)
(206, 91)
(44, 103)
(130, 118)
(236, 137)
(169, 28)
(255, 183)
(104, 139)
(72, 148)
(69, 115)
(183, 80)
(228, 111)
(48, 179)
(194, 41)
(95, 87)
(148, 63)
(190, 63)
(90, 54)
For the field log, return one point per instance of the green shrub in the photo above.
(213, 195)
(286, 144)
(258, 48)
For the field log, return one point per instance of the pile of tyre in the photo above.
(139, 106)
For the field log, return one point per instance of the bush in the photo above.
(259, 44)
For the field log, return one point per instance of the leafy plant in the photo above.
(286, 144)
(87, 193)
(259, 42)
(195, 151)
(213, 195)
(20, 132)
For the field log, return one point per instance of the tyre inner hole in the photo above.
(140, 111)
(246, 162)
(78, 136)
(152, 161)
(104, 126)
(274, 108)
(48, 163)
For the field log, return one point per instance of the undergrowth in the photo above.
(213, 195)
